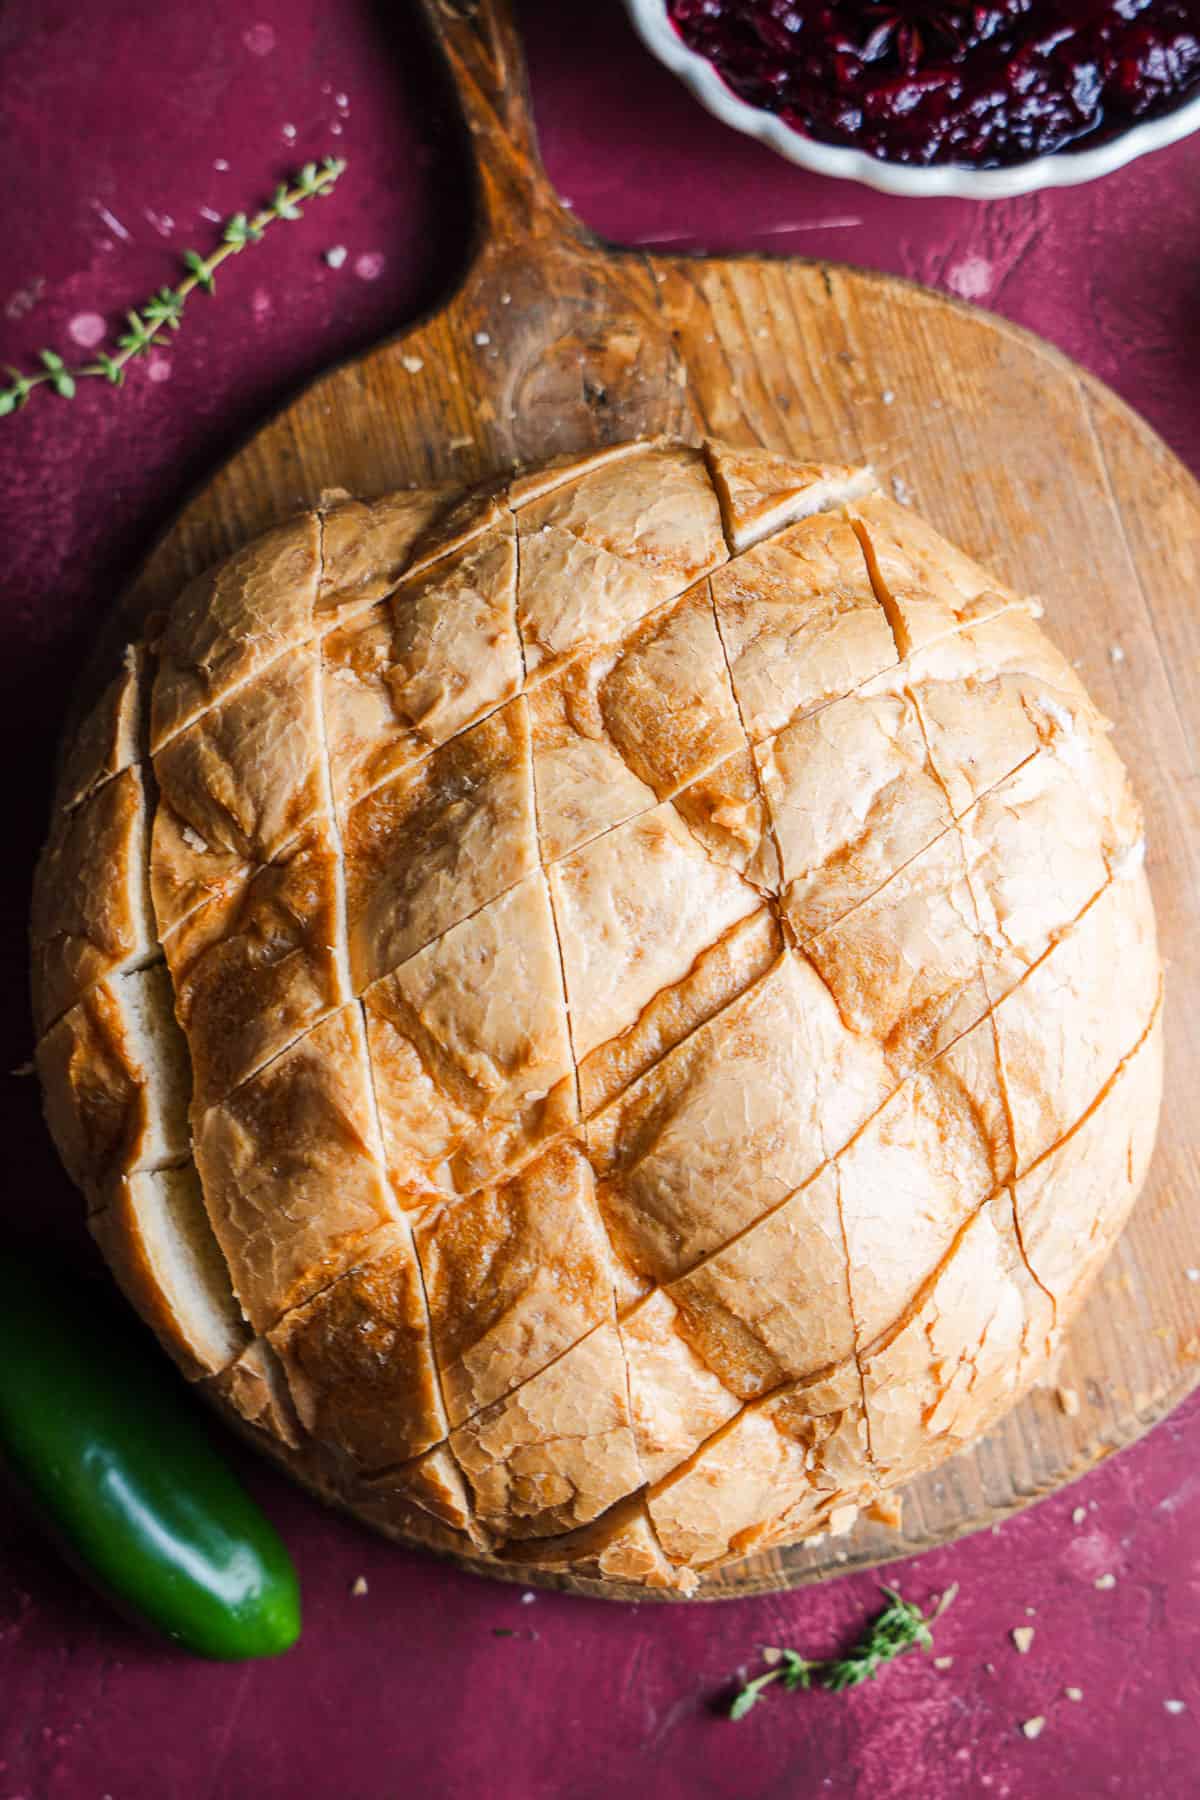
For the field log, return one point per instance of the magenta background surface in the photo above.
(115, 117)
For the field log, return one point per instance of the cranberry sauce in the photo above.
(935, 83)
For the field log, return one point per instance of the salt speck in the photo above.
(1022, 1637)
(528, 1599)
(114, 224)
(369, 266)
(336, 255)
(971, 279)
(1033, 1728)
(1192, 1274)
(359, 1587)
(342, 102)
(159, 368)
(888, 397)
(1175, 1706)
(1116, 654)
(220, 165)
(1105, 1583)
(207, 212)
(413, 364)
(25, 299)
(289, 132)
(335, 129)
(506, 299)
(86, 329)
(259, 39)
(1073, 1693)
(163, 223)
(901, 490)
(482, 338)
(261, 305)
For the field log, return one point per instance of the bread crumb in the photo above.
(1068, 1401)
(943, 1662)
(887, 1510)
(192, 839)
(841, 1520)
(1175, 1706)
(1104, 1582)
(1034, 1727)
(1073, 1693)
(1022, 1637)
(1079, 1515)
(772, 1657)
(360, 1587)
(414, 364)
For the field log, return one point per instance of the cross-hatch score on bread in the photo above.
(610, 1019)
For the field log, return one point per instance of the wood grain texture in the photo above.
(556, 342)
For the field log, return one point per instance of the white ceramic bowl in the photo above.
(1065, 168)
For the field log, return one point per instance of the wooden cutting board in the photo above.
(556, 342)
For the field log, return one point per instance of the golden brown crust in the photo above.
(294, 1144)
(514, 1276)
(256, 967)
(470, 1049)
(110, 737)
(249, 772)
(367, 545)
(357, 1358)
(761, 492)
(232, 621)
(600, 552)
(810, 879)
(634, 910)
(432, 846)
(410, 675)
(90, 915)
(116, 1082)
(800, 623)
(558, 1451)
(732, 1121)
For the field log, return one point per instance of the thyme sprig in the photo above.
(163, 311)
(899, 1627)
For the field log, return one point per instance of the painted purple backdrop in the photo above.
(125, 131)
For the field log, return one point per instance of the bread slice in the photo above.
(116, 1082)
(91, 915)
(157, 1240)
(110, 738)
(760, 492)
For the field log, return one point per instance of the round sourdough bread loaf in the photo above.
(609, 1019)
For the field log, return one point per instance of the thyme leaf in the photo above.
(899, 1627)
(163, 311)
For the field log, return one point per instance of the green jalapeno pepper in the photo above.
(101, 1438)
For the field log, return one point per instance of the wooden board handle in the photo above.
(482, 50)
